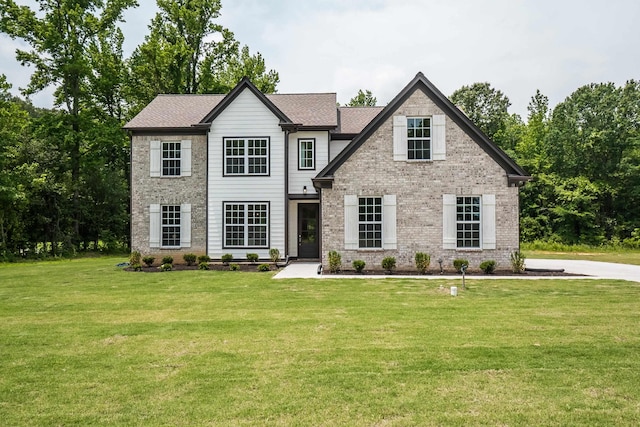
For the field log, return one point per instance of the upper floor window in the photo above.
(246, 156)
(418, 138)
(370, 222)
(468, 222)
(306, 154)
(171, 158)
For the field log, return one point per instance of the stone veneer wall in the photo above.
(174, 191)
(419, 186)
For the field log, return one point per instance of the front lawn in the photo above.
(84, 343)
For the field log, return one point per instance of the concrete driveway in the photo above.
(600, 270)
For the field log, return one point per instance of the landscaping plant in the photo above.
(388, 264)
(423, 261)
(358, 265)
(335, 261)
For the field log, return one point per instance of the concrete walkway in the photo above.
(592, 270)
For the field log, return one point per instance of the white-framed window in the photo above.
(246, 156)
(170, 159)
(369, 222)
(170, 226)
(306, 153)
(468, 222)
(418, 138)
(246, 224)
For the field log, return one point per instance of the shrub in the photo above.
(226, 259)
(422, 262)
(389, 263)
(135, 258)
(203, 258)
(203, 266)
(274, 254)
(458, 263)
(136, 267)
(190, 259)
(234, 267)
(166, 266)
(264, 267)
(517, 261)
(167, 260)
(335, 261)
(488, 266)
(148, 260)
(252, 258)
(358, 265)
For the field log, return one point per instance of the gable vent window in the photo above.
(246, 156)
(418, 138)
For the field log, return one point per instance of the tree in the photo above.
(363, 99)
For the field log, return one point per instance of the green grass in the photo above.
(83, 343)
(601, 253)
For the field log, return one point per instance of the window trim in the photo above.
(479, 223)
(313, 153)
(178, 159)
(379, 223)
(245, 225)
(245, 156)
(430, 138)
(162, 226)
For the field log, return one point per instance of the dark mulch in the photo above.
(447, 272)
(212, 267)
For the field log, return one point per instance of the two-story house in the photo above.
(247, 171)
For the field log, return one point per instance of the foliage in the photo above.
(422, 261)
(363, 99)
(517, 259)
(226, 258)
(166, 266)
(358, 265)
(136, 267)
(458, 263)
(335, 261)
(489, 266)
(274, 254)
(264, 267)
(190, 259)
(252, 258)
(234, 267)
(388, 263)
(203, 258)
(135, 258)
(148, 260)
(203, 265)
(167, 259)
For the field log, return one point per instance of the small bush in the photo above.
(252, 258)
(274, 254)
(517, 261)
(358, 265)
(148, 260)
(422, 262)
(203, 266)
(166, 267)
(335, 261)
(264, 267)
(488, 266)
(135, 258)
(203, 258)
(136, 267)
(226, 259)
(389, 263)
(234, 267)
(167, 260)
(459, 262)
(190, 259)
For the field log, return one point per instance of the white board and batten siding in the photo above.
(245, 116)
(299, 178)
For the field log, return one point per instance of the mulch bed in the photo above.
(447, 272)
(212, 267)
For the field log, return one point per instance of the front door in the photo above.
(308, 230)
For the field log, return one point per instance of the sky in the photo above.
(518, 46)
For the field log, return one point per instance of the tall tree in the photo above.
(363, 99)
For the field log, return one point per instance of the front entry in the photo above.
(308, 230)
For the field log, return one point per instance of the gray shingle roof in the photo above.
(354, 119)
(308, 109)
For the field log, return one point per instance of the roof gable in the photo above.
(514, 172)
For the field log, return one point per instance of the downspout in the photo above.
(286, 193)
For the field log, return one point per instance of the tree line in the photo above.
(64, 172)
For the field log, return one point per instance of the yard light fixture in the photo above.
(440, 262)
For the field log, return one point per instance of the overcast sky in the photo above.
(341, 46)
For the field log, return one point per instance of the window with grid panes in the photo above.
(468, 222)
(418, 138)
(370, 222)
(171, 158)
(306, 154)
(171, 225)
(246, 225)
(246, 156)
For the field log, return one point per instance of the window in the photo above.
(171, 159)
(170, 226)
(306, 154)
(418, 138)
(246, 225)
(370, 222)
(246, 156)
(468, 222)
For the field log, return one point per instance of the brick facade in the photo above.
(419, 188)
